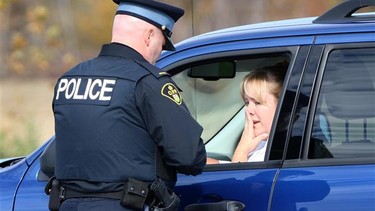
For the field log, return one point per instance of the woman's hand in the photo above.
(248, 141)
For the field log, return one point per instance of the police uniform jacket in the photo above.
(113, 113)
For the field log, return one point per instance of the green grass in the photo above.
(17, 145)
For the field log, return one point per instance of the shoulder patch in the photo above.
(170, 91)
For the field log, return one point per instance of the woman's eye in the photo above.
(257, 103)
(246, 103)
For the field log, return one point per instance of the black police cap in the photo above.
(161, 15)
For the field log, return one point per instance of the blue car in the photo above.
(328, 96)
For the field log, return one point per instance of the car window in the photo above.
(345, 116)
(213, 103)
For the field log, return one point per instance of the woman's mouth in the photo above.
(255, 122)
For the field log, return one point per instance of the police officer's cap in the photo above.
(161, 15)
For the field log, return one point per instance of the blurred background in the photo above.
(41, 39)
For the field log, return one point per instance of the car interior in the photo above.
(347, 111)
(215, 100)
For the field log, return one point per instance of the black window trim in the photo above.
(297, 70)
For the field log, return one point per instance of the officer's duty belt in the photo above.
(66, 193)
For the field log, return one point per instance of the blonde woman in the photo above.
(260, 90)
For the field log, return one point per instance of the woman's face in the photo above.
(261, 111)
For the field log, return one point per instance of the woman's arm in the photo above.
(212, 161)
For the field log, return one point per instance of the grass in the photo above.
(20, 145)
(26, 117)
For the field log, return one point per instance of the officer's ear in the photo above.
(148, 36)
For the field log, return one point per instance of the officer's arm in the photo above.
(172, 127)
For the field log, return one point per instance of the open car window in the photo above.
(216, 103)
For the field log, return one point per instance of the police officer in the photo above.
(121, 122)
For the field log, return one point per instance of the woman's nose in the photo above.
(251, 107)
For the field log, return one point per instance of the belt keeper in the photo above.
(62, 193)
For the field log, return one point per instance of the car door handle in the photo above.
(225, 205)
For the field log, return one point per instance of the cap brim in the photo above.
(168, 46)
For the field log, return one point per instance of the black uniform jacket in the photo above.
(112, 114)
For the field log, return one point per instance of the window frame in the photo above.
(313, 108)
(294, 52)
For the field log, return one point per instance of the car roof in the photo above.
(340, 19)
(281, 28)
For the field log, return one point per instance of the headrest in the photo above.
(348, 88)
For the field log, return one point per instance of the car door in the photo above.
(339, 83)
(218, 107)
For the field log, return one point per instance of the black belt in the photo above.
(66, 193)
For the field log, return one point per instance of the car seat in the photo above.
(350, 96)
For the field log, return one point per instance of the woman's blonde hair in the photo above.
(265, 79)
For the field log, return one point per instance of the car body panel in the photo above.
(20, 189)
(325, 188)
(10, 179)
(254, 31)
(32, 193)
(345, 38)
(251, 187)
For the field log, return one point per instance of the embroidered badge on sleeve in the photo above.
(170, 91)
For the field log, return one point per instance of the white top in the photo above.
(258, 153)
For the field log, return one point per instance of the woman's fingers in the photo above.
(249, 123)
